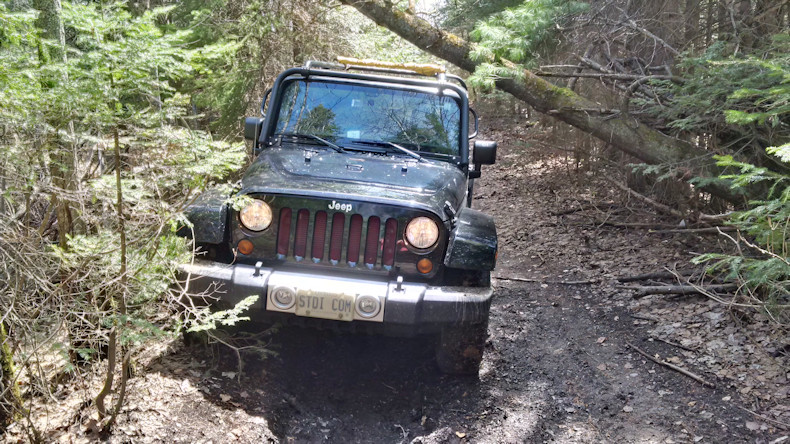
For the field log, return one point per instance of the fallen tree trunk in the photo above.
(623, 132)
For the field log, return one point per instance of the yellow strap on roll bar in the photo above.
(426, 69)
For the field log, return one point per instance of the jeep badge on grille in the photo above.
(341, 207)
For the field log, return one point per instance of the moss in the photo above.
(12, 397)
(455, 40)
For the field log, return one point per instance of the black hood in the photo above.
(366, 177)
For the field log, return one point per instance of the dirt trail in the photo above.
(556, 369)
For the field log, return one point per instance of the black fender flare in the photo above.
(473, 242)
(208, 214)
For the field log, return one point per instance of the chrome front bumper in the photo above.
(402, 303)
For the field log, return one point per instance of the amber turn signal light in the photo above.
(424, 265)
(245, 246)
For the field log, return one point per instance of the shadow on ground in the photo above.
(327, 386)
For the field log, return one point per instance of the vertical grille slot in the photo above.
(300, 241)
(354, 240)
(372, 241)
(336, 239)
(390, 241)
(283, 233)
(319, 237)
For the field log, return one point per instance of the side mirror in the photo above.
(484, 152)
(252, 130)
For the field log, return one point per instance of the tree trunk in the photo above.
(62, 160)
(11, 399)
(691, 33)
(51, 25)
(623, 132)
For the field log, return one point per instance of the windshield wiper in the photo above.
(406, 151)
(314, 137)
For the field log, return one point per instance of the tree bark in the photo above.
(11, 399)
(50, 23)
(623, 132)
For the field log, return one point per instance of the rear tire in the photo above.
(460, 348)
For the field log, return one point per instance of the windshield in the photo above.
(347, 113)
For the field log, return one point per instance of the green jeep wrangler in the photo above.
(360, 214)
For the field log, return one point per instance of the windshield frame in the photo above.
(397, 83)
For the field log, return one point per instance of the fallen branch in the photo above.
(657, 205)
(588, 206)
(678, 369)
(642, 225)
(715, 217)
(540, 281)
(632, 24)
(552, 112)
(783, 425)
(612, 76)
(516, 279)
(655, 275)
(732, 302)
(644, 317)
(642, 291)
(579, 68)
(706, 230)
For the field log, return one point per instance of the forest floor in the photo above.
(558, 365)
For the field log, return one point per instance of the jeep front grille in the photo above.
(347, 236)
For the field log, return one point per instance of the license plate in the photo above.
(319, 304)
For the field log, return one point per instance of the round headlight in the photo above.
(256, 216)
(422, 232)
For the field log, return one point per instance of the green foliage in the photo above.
(522, 34)
(740, 103)
(122, 81)
(734, 97)
(782, 152)
(486, 75)
(462, 15)
(764, 264)
(240, 46)
(227, 318)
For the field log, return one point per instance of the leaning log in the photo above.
(623, 132)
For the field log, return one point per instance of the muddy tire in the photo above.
(460, 348)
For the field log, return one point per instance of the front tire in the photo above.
(460, 348)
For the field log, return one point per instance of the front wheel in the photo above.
(460, 348)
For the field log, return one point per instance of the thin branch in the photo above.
(672, 366)
(578, 70)
(654, 275)
(632, 24)
(783, 425)
(706, 230)
(541, 281)
(610, 76)
(659, 206)
(642, 291)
